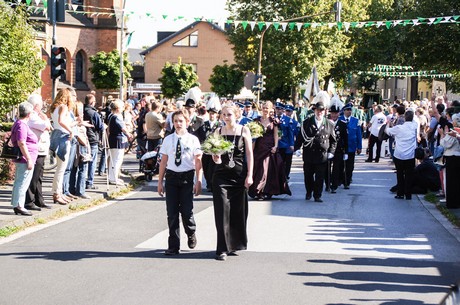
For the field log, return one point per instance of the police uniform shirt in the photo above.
(190, 147)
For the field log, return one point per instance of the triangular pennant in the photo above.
(330, 25)
(210, 20)
(180, 17)
(291, 25)
(74, 7)
(37, 2)
(260, 24)
(438, 20)
(314, 25)
(45, 3)
(347, 26)
(283, 26)
(253, 24)
(415, 21)
(276, 25)
(379, 24)
(299, 26)
(19, 2)
(28, 2)
(229, 21)
(447, 19)
(148, 14)
(406, 22)
(431, 20)
(421, 19)
(268, 24)
(165, 16)
(197, 18)
(306, 25)
(354, 24)
(388, 24)
(237, 23)
(361, 24)
(245, 24)
(339, 25)
(456, 17)
(369, 24)
(397, 22)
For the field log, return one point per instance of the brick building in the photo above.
(201, 44)
(82, 35)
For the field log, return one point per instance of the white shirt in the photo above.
(38, 126)
(377, 121)
(406, 140)
(190, 147)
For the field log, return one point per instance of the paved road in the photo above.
(361, 246)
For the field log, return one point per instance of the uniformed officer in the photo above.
(289, 128)
(195, 121)
(355, 143)
(341, 135)
(317, 137)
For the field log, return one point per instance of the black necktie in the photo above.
(178, 160)
(348, 120)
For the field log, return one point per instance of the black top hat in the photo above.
(319, 106)
(190, 103)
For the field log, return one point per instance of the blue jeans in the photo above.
(92, 164)
(68, 169)
(101, 167)
(22, 178)
(78, 175)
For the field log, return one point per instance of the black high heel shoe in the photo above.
(22, 211)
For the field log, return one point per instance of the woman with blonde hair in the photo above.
(269, 174)
(231, 181)
(118, 140)
(61, 137)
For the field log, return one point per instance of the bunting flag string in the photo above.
(254, 25)
(431, 74)
(391, 68)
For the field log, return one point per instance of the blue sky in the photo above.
(145, 28)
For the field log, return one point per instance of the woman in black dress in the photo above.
(231, 180)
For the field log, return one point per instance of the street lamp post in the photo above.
(336, 10)
(122, 34)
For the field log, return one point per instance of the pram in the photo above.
(150, 163)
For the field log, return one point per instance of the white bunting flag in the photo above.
(253, 24)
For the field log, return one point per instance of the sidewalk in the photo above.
(9, 219)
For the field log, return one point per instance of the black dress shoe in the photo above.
(399, 197)
(328, 189)
(22, 211)
(318, 200)
(32, 207)
(192, 241)
(333, 191)
(367, 160)
(221, 257)
(46, 206)
(308, 197)
(171, 252)
(347, 187)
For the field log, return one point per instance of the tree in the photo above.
(288, 56)
(226, 80)
(177, 79)
(106, 69)
(20, 64)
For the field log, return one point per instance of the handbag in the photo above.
(10, 152)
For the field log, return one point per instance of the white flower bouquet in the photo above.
(216, 145)
(256, 129)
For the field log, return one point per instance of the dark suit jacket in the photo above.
(341, 136)
(316, 143)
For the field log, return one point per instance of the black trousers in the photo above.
(452, 179)
(349, 167)
(34, 193)
(287, 160)
(153, 143)
(404, 176)
(337, 170)
(179, 200)
(372, 141)
(314, 178)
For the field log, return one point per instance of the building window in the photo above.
(188, 41)
(79, 67)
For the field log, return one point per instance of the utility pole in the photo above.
(122, 34)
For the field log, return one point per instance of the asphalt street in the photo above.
(361, 246)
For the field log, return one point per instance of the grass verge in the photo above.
(431, 197)
(72, 208)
